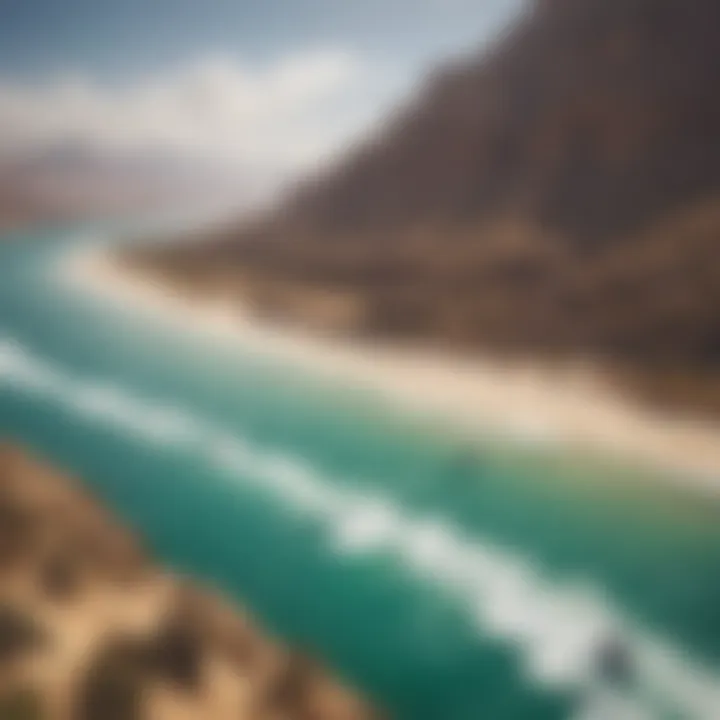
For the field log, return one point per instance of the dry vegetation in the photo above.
(90, 630)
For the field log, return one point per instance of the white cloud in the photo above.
(280, 116)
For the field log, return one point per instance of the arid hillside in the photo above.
(558, 195)
(91, 629)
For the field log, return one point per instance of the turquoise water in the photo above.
(446, 584)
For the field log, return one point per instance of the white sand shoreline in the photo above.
(576, 409)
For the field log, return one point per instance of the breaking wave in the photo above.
(557, 628)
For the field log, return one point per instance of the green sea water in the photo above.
(447, 579)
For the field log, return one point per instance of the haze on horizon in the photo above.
(268, 88)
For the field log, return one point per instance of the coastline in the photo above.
(97, 620)
(576, 409)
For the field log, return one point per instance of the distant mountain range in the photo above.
(70, 181)
(556, 196)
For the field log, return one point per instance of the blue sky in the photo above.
(270, 81)
(124, 38)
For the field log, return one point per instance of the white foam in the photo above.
(17, 366)
(554, 627)
(365, 525)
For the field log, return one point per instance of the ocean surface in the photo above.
(448, 580)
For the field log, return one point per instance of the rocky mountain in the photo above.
(92, 629)
(558, 195)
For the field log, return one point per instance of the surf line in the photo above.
(556, 628)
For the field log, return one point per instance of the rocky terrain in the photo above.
(557, 196)
(92, 629)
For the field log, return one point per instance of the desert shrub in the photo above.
(19, 633)
(176, 653)
(114, 686)
(59, 576)
(21, 704)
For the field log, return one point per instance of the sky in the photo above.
(265, 83)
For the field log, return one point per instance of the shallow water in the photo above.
(447, 584)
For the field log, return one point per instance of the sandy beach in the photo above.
(573, 406)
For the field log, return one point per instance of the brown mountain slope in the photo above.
(560, 194)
